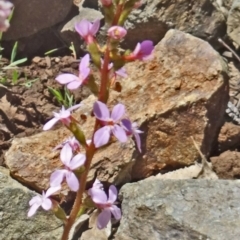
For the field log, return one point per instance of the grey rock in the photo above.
(183, 209)
(200, 18)
(14, 223)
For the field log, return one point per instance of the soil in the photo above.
(26, 104)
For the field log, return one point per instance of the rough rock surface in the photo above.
(183, 209)
(227, 165)
(14, 223)
(233, 19)
(183, 93)
(199, 18)
(229, 137)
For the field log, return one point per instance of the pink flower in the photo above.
(117, 32)
(107, 205)
(71, 163)
(72, 81)
(132, 129)
(97, 184)
(64, 116)
(87, 30)
(143, 51)
(72, 142)
(102, 135)
(42, 201)
(5, 11)
(106, 3)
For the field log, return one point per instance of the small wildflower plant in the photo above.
(76, 153)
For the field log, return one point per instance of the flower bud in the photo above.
(117, 32)
(106, 3)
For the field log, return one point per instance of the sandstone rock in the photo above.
(183, 209)
(199, 18)
(227, 165)
(181, 94)
(233, 29)
(229, 137)
(14, 223)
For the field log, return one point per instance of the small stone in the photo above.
(36, 59)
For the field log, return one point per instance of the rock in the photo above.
(34, 25)
(227, 165)
(182, 209)
(14, 222)
(152, 20)
(229, 137)
(183, 93)
(233, 29)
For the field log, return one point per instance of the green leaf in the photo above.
(17, 62)
(14, 52)
(56, 93)
(15, 76)
(51, 51)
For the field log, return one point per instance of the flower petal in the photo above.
(84, 63)
(77, 161)
(50, 123)
(127, 124)
(118, 112)
(119, 133)
(74, 84)
(74, 107)
(103, 218)
(95, 27)
(112, 194)
(66, 78)
(34, 200)
(101, 111)
(116, 212)
(52, 190)
(83, 28)
(56, 177)
(66, 154)
(98, 196)
(138, 141)
(72, 181)
(84, 74)
(33, 209)
(47, 204)
(101, 136)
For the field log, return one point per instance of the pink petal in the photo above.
(98, 196)
(77, 161)
(66, 78)
(112, 194)
(84, 63)
(118, 112)
(103, 218)
(95, 27)
(74, 84)
(56, 178)
(50, 124)
(137, 49)
(116, 212)
(101, 111)
(47, 204)
(72, 181)
(66, 154)
(84, 74)
(34, 200)
(33, 209)
(74, 107)
(101, 136)
(138, 141)
(52, 190)
(83, 28)
(119, 133)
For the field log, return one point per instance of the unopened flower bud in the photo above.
(117, 32)
(106, 3)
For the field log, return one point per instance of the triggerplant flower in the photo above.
(102, 135)
(106, 204)
(87, 30)
(117, 32)
(72, 142)
(97, 184)
(70, 163)
(42, 201)
(72, 81)
(132, 128)
(143, 51)
(64, 116)
(5, 10)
